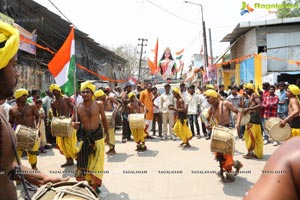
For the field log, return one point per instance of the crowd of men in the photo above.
(183, 112)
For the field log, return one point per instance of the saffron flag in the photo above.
(62, 66)
(153, 64)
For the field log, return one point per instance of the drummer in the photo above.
(135, 106)
(219, 114)
(109, 103)
(90, 163)
(25, 114)
(181, 128)
(253, 134)
(293, 110)
(63, 106)
(9, 44)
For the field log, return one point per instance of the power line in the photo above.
(165, 10)
(62, 13)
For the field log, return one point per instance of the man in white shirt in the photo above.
(167, 99)
(193, 105)
(157, 115)
(183, 91)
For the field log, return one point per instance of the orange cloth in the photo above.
(146, 99)
(228, 163)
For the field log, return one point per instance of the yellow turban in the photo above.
(12, 38)
(99, 93)
(20, 92)
(249, 86)
(131, 94)
(54, 87)
(211, 93)
(210, 86)
(294, 89)
(176, 90)
(89, 85)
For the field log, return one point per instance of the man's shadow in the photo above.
(106, 195)
(119, 157)
(237, 188)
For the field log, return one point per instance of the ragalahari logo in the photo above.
(246, 8)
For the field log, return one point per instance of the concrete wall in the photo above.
(245, 46)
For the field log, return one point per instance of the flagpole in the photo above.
(74, 82)
(75, 96)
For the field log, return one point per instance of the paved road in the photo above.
(166, 171)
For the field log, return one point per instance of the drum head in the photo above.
(280, 134)
(245, 119)
(70, 190)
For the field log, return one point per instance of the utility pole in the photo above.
(211, 52)
(141, 54)
(203, 33)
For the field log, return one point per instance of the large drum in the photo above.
(110, 117)
(223, 139)
(136, 121)
(275, 131)
(66, 190)
(245, 117)
(61, 126)
(26, 137)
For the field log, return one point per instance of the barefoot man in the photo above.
(109, 103)
(181, 128)
(63, 107)
(27, 115)
(219, 114)
(90, 163)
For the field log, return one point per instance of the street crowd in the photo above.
(81, 125)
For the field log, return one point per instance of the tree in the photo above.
(288, 12)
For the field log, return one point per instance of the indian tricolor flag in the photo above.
(179, 54)
(62, 65)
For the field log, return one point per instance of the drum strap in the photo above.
(17, 170)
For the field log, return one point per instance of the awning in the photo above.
(291, 73)
(227, 49)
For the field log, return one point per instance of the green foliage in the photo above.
(289, 12)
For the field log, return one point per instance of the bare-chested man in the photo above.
(293, 117)
(109, 107)
(280, 178)
(219, 114)
(181, 128)
(90, 163)
(27, 115)
(9, 44)
(253, 136)
(63, 106)
(135, 106)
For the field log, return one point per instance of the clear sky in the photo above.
(176, 24)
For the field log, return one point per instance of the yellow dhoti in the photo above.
(182, 131)
(111, 136)
(67, 145)
(138, 134)
(95, 168)
(32, 155)
(254, 139)
(295, 132)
